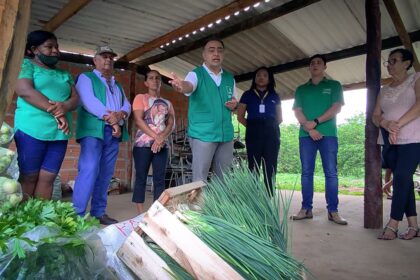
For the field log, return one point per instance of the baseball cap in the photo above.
(104, 49)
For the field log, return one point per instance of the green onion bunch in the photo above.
(242, 199)
(177, 272)
(249, 254)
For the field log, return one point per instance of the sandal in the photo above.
(391, 229)
(407, 232)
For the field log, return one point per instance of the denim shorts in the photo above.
(34, 154)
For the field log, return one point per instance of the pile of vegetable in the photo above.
(6, 135)
(42, 239)
(246, 227)
(10, 193)
(249, 254)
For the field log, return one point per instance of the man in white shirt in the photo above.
(211, 92)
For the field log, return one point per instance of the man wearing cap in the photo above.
(317, 102)
(211, 93)
(101, 125)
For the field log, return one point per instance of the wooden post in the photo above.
(373, 186)
(131, 125)
(14, 22)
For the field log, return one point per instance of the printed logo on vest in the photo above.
(326, 91)
(229, 91)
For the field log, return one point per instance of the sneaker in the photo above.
(303, 214)
(106, 220)
(336, 218)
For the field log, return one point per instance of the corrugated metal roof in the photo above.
(323, 27)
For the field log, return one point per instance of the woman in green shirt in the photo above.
(46, 97)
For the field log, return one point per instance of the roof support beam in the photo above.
(402, 32)
(362, 85)
(373, 213)
(274, 13)
(346, 53)
(189, 27)
(69, 10)
(82, 59)
(14, 21)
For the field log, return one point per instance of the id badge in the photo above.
(262, 108)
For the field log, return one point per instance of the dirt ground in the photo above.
(331, 251)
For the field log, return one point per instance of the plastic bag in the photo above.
(8, 164)
(6, 158)
(113, 236)
(6, 135)
(56, 192)
(10, 193)
(57, 260)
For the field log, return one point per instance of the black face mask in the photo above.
(48, 60)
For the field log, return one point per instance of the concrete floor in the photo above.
(331, 251)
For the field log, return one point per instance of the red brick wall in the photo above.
(123, 167)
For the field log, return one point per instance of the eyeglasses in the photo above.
(390, 62)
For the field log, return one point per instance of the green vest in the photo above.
(209, 120)
(90, 125)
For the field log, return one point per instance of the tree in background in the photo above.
(351, 137)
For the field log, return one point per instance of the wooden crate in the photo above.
(187, 195)
(184, 246)
(175, 239)
(142, 260)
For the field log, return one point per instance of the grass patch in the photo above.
(346, 185)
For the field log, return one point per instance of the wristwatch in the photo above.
(316, 121)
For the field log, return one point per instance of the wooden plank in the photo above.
(183, 246)
(373, 184)
(362, 85)
(267, 16)
(142, 260)
(70, 9)
(337, 55)
(188, 192)
(401, 30)
(189, 27)
(14, 22)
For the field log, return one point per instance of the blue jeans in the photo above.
(328, 148)
(142, 159)
(96, 167)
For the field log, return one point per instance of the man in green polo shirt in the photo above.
(317, 102)
(211, 92)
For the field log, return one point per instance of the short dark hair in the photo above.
(150, 71)
(210, 39)
(35, 39)
(271, 82)
(406, 55)
(324, 59)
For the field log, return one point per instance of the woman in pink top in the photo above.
(397, 114)
(155, 118)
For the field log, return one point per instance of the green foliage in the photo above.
(289, 159)
(351, 137)
(351, 150)
(58, 216)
